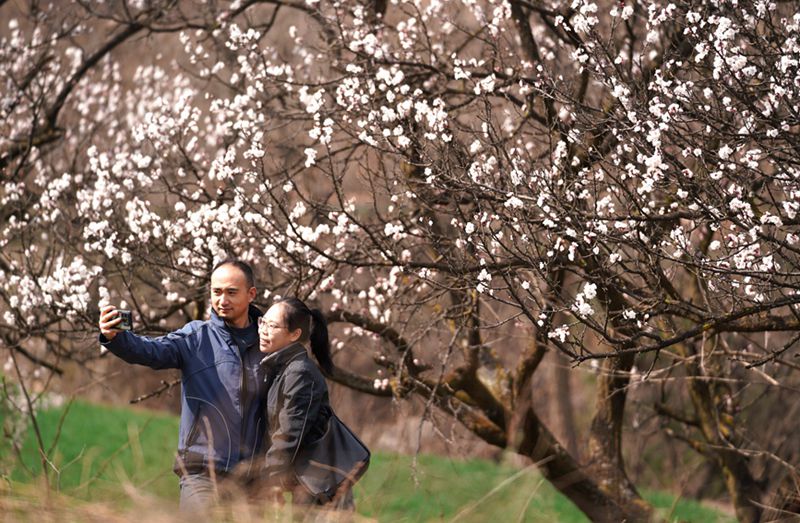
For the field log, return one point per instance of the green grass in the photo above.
(684, 510)
(102, 450)
(470, 490)
(479, 491)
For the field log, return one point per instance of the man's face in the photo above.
(230, 295)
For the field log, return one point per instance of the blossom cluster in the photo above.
(378, 165)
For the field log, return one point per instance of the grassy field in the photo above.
(121, 458)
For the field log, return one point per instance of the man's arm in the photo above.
(165, 352)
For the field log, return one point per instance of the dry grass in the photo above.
(31, 502)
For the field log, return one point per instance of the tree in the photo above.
(466, 186)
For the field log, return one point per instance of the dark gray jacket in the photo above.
(297, 409)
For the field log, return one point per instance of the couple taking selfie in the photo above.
(253, 403)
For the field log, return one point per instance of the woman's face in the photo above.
(272, 332)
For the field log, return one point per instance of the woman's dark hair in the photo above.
(313, 327)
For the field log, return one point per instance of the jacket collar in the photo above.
(283, 356)
(218, 322)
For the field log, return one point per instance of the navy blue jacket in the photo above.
(222, 395)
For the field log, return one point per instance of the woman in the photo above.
(297, 399)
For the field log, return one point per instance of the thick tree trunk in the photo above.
(567, 475)
(528, 436)
(742, 487)
(719, 433)
(605, 438)
(715, 419)
(563, 406)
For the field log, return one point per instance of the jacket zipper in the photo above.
(242, 401)
(253, 455)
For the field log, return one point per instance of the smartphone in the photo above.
(127, 320)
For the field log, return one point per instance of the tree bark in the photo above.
(568, 476)
(719, 432)
(605, 437)
(563, 406)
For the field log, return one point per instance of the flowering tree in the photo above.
(465, 185)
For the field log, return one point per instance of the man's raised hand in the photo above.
(108, 320)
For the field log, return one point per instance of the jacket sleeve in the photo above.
(300, 407)
(166, 352)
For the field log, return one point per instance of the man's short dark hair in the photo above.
(242, 266)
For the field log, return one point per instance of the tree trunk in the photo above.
(563, 406)
(720, 435)
(605, 437)
(742, 487)
(565, 474)
(528, 436)
(715, 416)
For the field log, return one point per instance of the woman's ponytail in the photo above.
(320, 344)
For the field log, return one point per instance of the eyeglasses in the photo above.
(270, 326)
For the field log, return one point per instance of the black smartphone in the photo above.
(127, 320)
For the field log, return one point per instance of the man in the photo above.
(223, 390)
